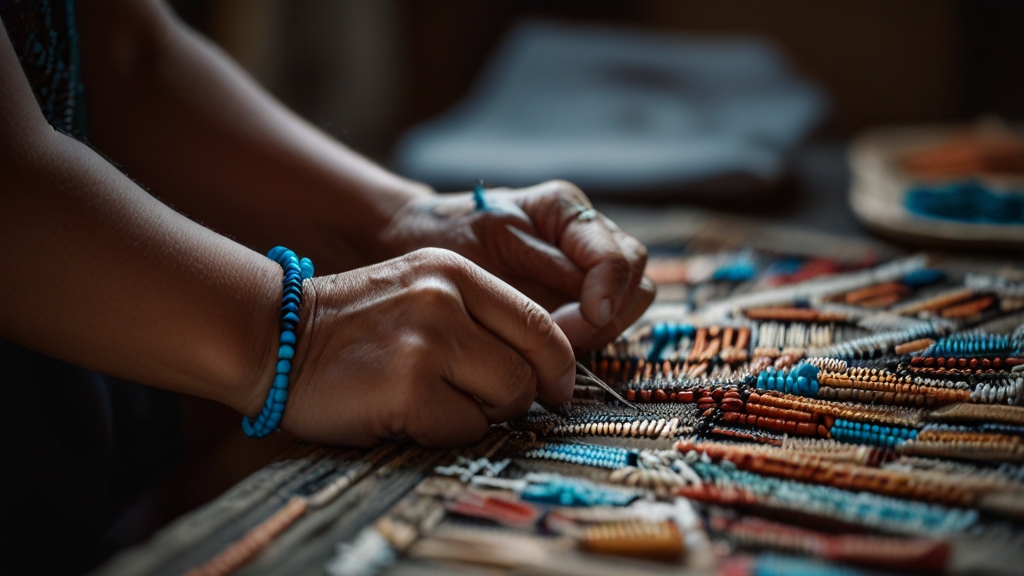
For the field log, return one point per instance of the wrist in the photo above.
(265, 346)
(401, 201)
(348, 229)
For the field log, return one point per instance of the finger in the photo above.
(506, 231)
(590, 244)
(575, 327)
(485, 367)
(548, 298)
(636, 254)
(529, 256)
(583, 336)
(445, 417)
(518, 321)
(641, 301)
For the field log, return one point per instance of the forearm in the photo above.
(100, 274)
(183, 120)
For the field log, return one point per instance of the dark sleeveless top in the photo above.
(81, 450)
(45, 37)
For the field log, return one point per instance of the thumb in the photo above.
(575, 327)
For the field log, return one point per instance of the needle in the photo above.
(587, 376)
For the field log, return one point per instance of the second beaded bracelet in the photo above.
(295, 271)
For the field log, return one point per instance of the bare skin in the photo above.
(432, 319)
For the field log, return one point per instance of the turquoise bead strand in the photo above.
(801, 380)
(610, 457)
(296, 270)
(871, 434)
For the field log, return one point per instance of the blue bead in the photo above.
(307, 267)
(287, 337)
(290, 307)
(281, 381)
(290, 317)
(284, 367)
(660, 331)
(291, 297)
(278, 407)
(247, 427)
(276, 252)
(923, 277)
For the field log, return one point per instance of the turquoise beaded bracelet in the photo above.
(295, 271)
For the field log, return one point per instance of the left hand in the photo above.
(586, 271)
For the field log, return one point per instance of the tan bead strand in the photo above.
(935, 303)
(968, 309)
(254, 541)
(872, 414)
(914, 346)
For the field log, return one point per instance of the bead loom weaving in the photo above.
(839, 410)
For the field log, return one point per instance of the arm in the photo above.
(101, 274)
(182, 119)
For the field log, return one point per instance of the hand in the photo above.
(427, 346)
(587, 271)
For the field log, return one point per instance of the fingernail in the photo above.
(567, 384)
(604, 312)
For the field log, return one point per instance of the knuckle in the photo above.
(620, 265)
(400, 410)
(517, 382)
(439, 259)
(415, 352)
(449, 261)
(430, 295)
(648, 288)
(536, 320)
(640, 250)
(568, 189)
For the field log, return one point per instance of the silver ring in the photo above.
(585, 213)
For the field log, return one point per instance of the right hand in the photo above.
(428, 346)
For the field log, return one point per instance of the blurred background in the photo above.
(369, 71)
